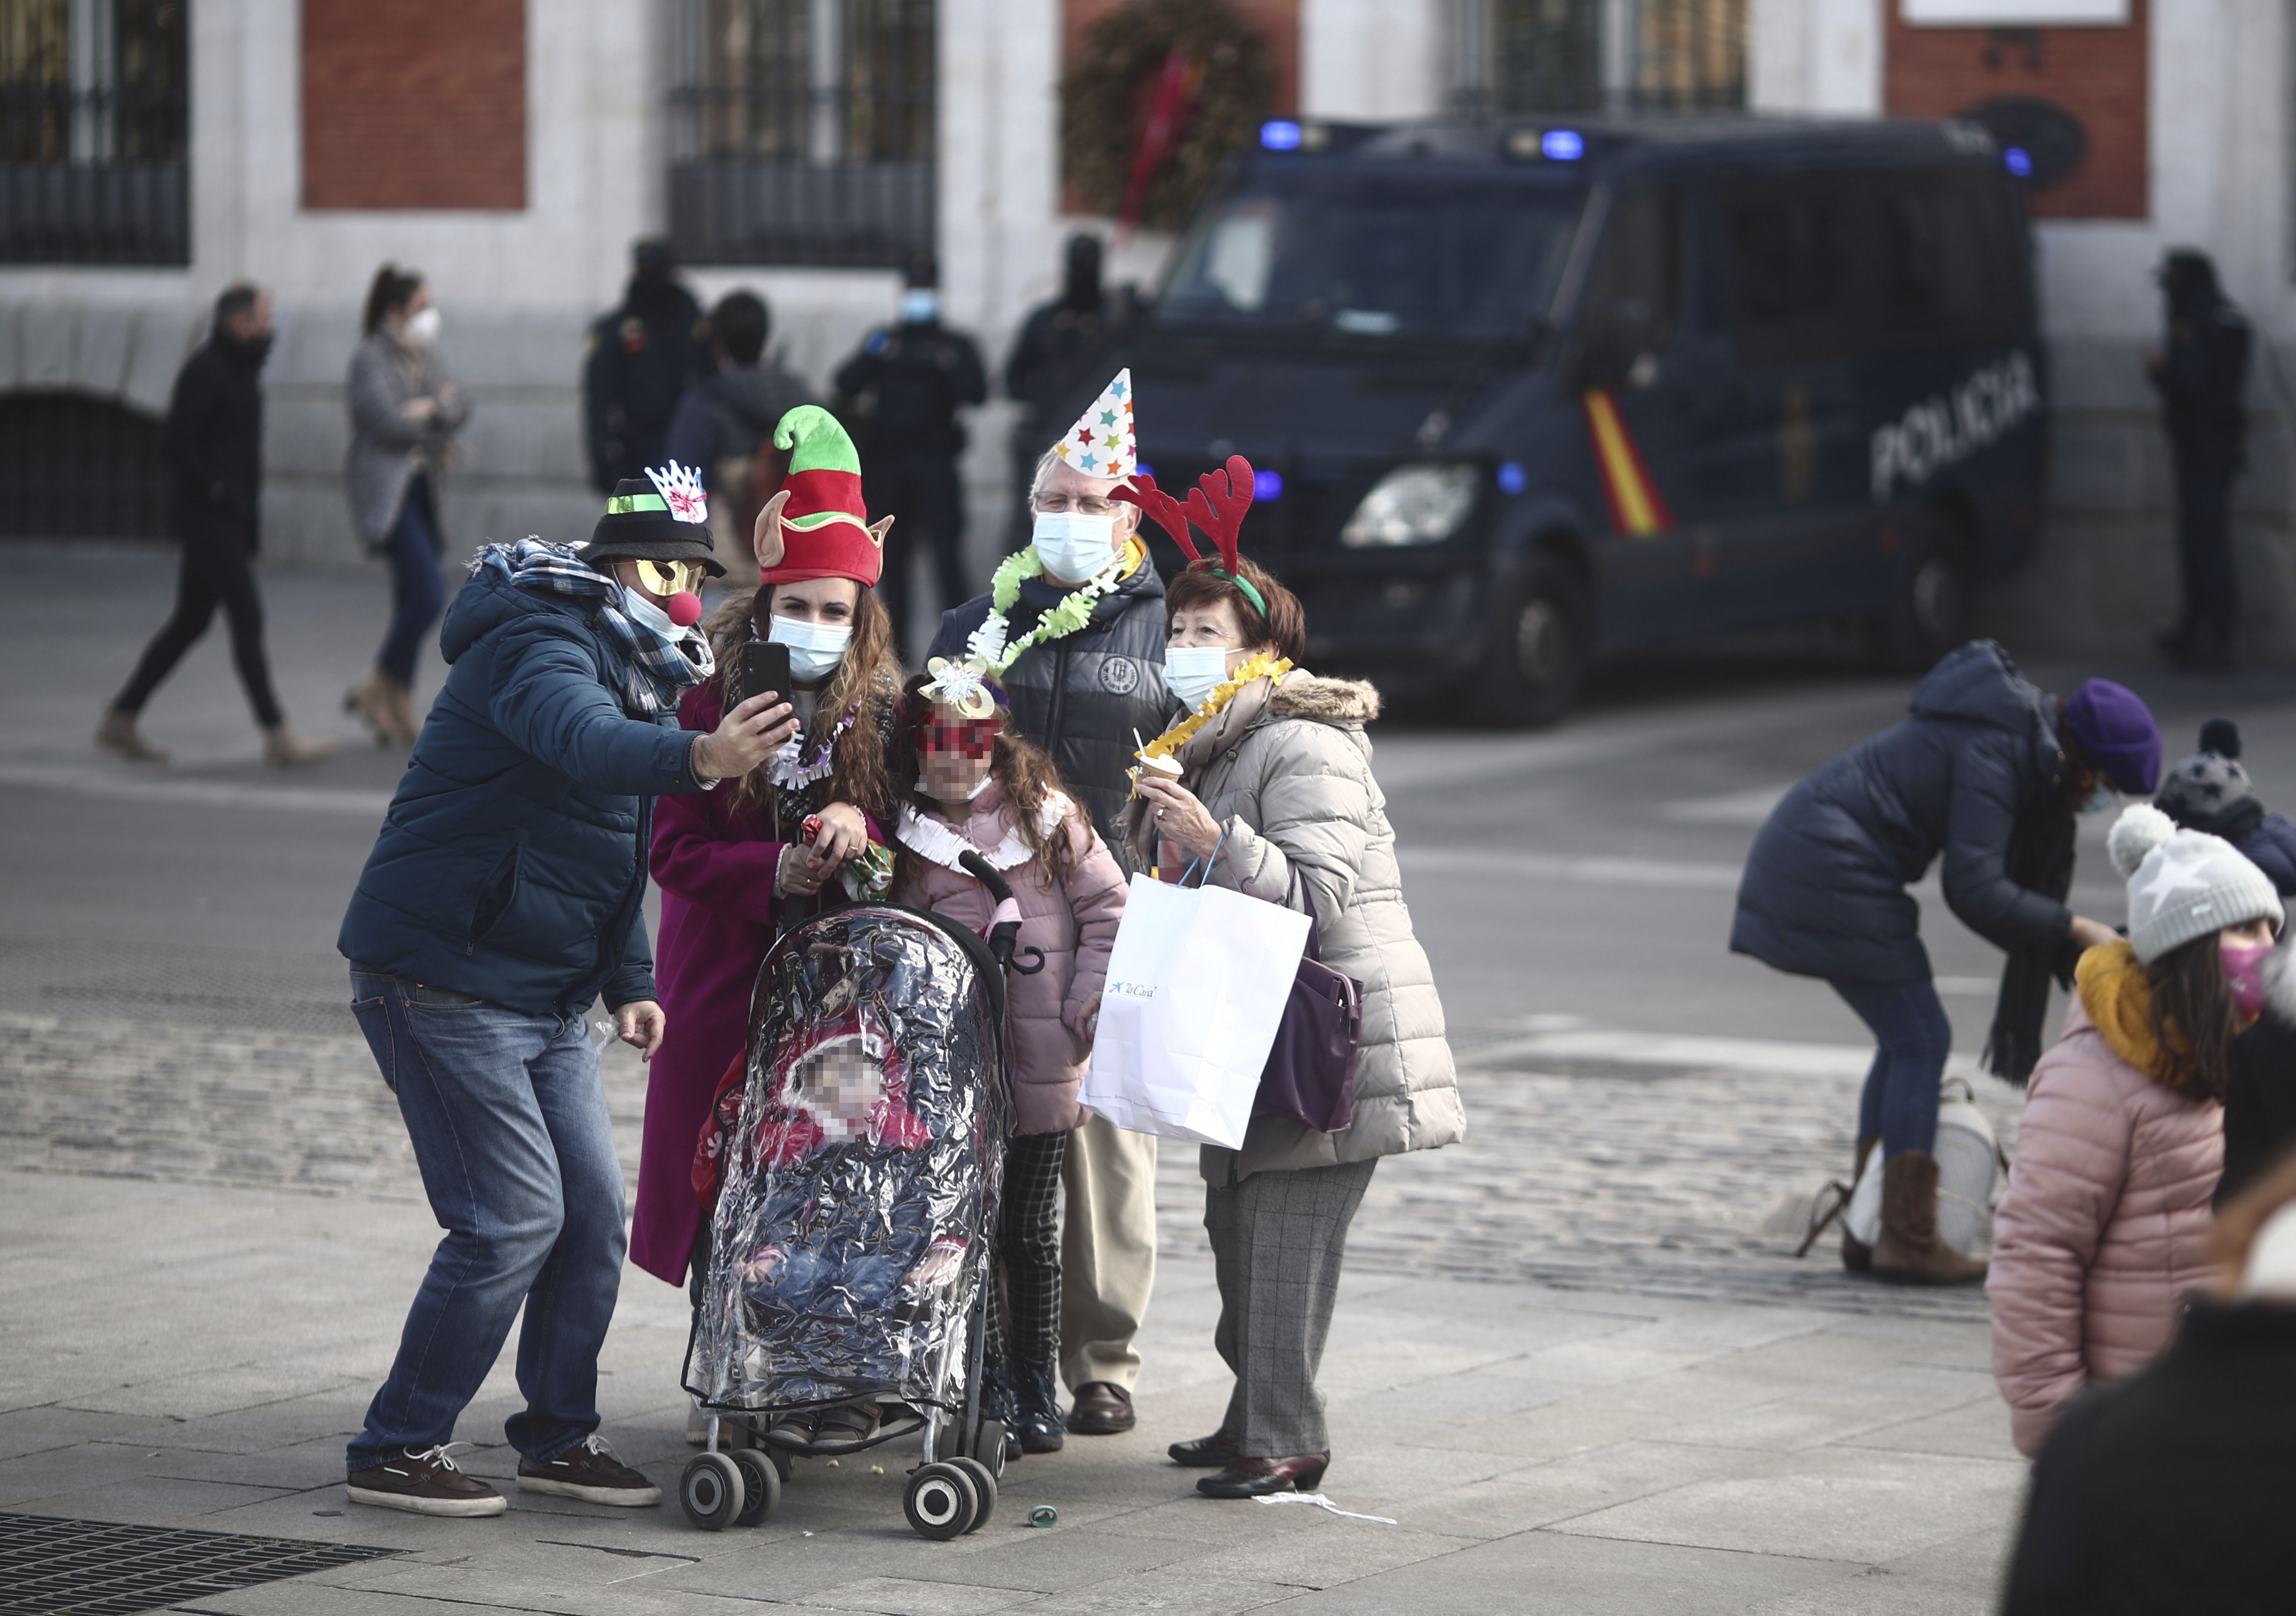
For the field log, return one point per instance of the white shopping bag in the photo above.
(1196, 986)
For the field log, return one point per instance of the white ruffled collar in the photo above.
(934, 839)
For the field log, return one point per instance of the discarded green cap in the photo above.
(1044, 1514)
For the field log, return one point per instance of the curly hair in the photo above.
(2190, 991)
(1027, 774)
(869, 676)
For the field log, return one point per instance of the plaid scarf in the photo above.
(662, 665)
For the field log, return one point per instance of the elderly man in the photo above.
(1080, 616)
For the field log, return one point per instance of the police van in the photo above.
(1528, 394)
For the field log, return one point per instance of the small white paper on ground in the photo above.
(1321, 1502)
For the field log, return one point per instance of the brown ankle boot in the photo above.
(1909, 1249)
(118, 733)
(371, 699)
(285, 746)
(1856, 1256)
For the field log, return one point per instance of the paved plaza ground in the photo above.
(1575, 1363)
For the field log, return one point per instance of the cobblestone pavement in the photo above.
(1636, 1177)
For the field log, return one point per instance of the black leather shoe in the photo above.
(1255, 1478)
(1102, 1408)
(1036, 1391)
(1222, 1447)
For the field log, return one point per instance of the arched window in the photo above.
(77, 467)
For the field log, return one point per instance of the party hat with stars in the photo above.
(1100, 444)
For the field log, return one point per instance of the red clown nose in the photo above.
(683, 609)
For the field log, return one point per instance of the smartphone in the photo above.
(764, 665)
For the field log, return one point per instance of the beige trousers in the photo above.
(1108, 1252)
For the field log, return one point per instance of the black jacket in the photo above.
(2203, 377)
(2259, 1120)
(213, 444)
(1824, 889)
(906, 385)
(1081, 697)
(640, 359)
(725, 417)
(2168, 1492)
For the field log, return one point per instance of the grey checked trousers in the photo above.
(1278, 1240)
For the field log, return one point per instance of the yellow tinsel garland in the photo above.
(1173, 739)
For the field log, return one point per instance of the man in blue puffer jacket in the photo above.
(505, 895)
(1985, 765)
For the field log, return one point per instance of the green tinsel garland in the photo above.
(1105, 97)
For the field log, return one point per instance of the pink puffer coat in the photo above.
(1073, 922)
(2099, 1235)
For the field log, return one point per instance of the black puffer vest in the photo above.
(1081, 697)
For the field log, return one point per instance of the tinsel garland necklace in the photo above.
(1172, 739)
(791, 770)
(986, 647)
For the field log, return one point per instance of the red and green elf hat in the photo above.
(818, 517)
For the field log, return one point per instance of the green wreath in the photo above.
(1106, 94)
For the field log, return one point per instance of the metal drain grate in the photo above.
(53, 1567)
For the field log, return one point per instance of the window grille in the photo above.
(93, 132)
(1690, 55)
(801, 131)
(1513, 56)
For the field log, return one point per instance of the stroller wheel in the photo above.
(711, 1491)
(761, 1487)
(940, 1502)
(990, 1448)
(985, 1485)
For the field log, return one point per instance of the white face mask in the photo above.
(636, 605)
(423, 326)
(1073, 545)
(1192, 672)
(815, 648)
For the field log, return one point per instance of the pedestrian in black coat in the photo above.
(2167, 1492)
(1059, 343)
(2201, 375)
(639, 360)
(902, 390)
(213, 445)
(1987, 774)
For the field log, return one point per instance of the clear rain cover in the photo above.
(855, 1219)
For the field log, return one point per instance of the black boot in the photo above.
(996, 1400)
(1036, 1388)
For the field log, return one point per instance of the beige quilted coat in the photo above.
(1295, 787)
(2098, 1237)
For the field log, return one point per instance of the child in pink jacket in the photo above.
(981, 788)
(2101, 1232)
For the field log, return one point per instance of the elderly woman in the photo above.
(1276, 778)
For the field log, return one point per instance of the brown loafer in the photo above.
(1102, 1408)
(1256, 1478)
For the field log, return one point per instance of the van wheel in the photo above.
(1537, 658)
(1931, 596)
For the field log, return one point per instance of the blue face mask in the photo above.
(920, 305)
(2100, 799)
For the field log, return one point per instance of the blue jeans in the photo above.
(1900, 1102)
(418, 590)
(508, 1116)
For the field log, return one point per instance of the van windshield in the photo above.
(1373, 257)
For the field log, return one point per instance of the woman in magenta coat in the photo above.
(734, 864)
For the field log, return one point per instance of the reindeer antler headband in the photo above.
(1216, 505)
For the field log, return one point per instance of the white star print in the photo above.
(2176, 876)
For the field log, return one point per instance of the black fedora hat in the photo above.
(660, 517)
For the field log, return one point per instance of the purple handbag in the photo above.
(1310, 1075)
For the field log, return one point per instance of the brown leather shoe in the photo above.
(588, 1471)
(1909, 1251)
(1102, 1408)
(1256, 1478)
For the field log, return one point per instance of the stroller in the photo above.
(851, 1251)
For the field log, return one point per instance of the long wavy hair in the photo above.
(2192, 1019)
(1027, 774)
(868, 678)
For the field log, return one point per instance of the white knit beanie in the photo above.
(2183, 884)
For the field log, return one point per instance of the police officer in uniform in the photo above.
(902, 392)
(1059, 340)
(638, 361)
(2201, 376)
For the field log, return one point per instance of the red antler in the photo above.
(1169, 513)
(1217, 502)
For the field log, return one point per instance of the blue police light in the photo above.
(1268, 485)
(1563, 145)
(2018, 162)
(1280, 134)
(1511, 479)
(1144, 468)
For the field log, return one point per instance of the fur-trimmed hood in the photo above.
(1307, 695)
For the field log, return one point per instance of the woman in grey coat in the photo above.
(1279, 782)
(404, 414)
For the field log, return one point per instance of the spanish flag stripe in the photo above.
(1637, 509)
